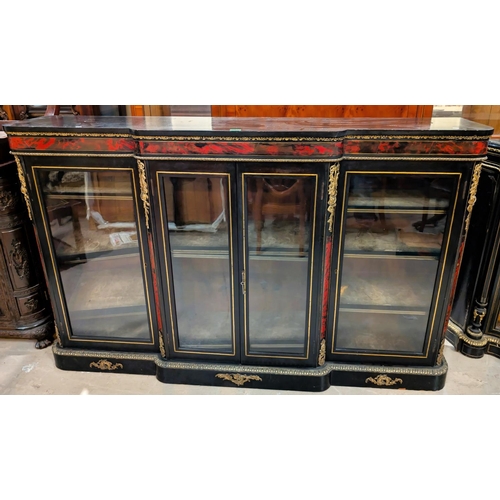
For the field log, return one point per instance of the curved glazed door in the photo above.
(393, 266)
(93, 237)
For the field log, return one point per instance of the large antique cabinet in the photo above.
(266, 253)
(474, 327)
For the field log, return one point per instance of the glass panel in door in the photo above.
(279, 222)
(197, 231)
(91, 218)
(394, 234)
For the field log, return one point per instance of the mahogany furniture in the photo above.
(488, 115)
(266, 253)
(314, 111)
(24, 306)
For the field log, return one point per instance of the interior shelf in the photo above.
(394, 283)
(395, 199)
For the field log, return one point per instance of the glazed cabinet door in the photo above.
(194, 209)
(393, 266)
(281, 220)
(91, 224)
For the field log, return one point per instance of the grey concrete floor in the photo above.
(25, 370)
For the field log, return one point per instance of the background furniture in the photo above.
(474, 327)
(24, 306)
(347, 282)
(486, 114)
(345, 111)
(24, 112)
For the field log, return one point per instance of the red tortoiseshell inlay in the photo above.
(326, 149)
(416, 147)
(155, 282)
(81, 144)
(454, 285)
(326, 289)
(302, 148)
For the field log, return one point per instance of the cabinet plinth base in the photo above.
(472, 348)
(254, 377)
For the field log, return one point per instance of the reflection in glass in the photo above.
(91, 214)
(280, 221)
(392, 241)
(198, 222)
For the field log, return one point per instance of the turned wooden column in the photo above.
(24, 306)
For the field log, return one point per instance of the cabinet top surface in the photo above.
(229, 126)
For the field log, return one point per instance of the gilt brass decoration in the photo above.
(440, 353)
(24, 189)
(479, 313)
(56, 333)
(472, 195)
(322, 353)
(332, 192)
(104, 364)
(162, 345)
(384, 380)
(237, 378)
(144, 190)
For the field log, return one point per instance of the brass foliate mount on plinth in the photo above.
(104, 364)
(384, 380)
(332, 193)
(144, 190)
(238, 378)
(24, 188)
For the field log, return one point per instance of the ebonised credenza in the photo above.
(263, 253)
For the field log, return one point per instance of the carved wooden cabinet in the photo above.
(271, 253)
(474, 327)
(24, 306)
